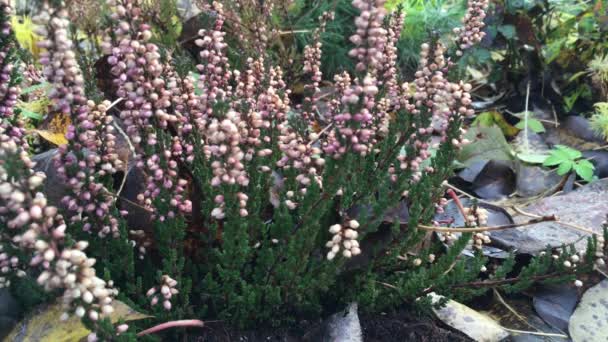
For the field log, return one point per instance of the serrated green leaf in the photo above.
(570, 152)
(586, 163)
(584, 171)
(565, 167)
(533, 158)
(554, 160)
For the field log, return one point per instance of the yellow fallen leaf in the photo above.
(52, 137)
(56, 129)
(46, 325)
(25, 34)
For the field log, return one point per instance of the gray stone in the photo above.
(555, 305)
(585, 207)
(344, 326)
(10, 310)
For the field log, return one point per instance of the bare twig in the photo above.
(117, 101)
(512, 310)
(555, 122)
(320, 134)
(127, 200)
(551, 218)
(526, 115)
(131, 148)
(597, 269)
(494, 283)
(173, 324)
(293, 32)
(462, 192)
(565, 224)
(456, 200)
(534, 333)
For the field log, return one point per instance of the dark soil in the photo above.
(402, 327)
(399, 326)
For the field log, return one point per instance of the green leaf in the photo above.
(35, 87)
(533, 158)
(555, 158)
(30, 114)
(586, 163)
(565, 167)
(535, 125)
(508, 31)
(484, 119)
(584, 171)
(486, 143)
(572, 153)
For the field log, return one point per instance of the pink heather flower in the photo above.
(370, 36)
(9, 92)
(90, 153)
(473, 23)
(164, 292)
(147, 108)
(312, 67)
(37, 231)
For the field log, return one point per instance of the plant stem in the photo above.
(172, 324)
(487, 229)
(526, 113)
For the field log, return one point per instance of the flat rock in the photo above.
(586, 207)
(9, 312)
(533, 180)
(589, 323)
(344, 326)
(555, 305)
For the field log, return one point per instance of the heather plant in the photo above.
(257, 207)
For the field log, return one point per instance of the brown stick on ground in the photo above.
(172, 324)
(487, 229)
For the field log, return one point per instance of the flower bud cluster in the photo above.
(299, 152)
(476, 217)
(388, 71)
(186, 107)
(59, 61)
(436, 95)
(34, 227)
(214, 69)
(370, 36)
(164, 292)
(9, 91)
(146, 112)
(90, 153)
(356, 118)
(448, 238)
(312, 67)
(84, 163)
(479, 239)
(345, 239)
(472, 33)
(223, 138)
(600, 252)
